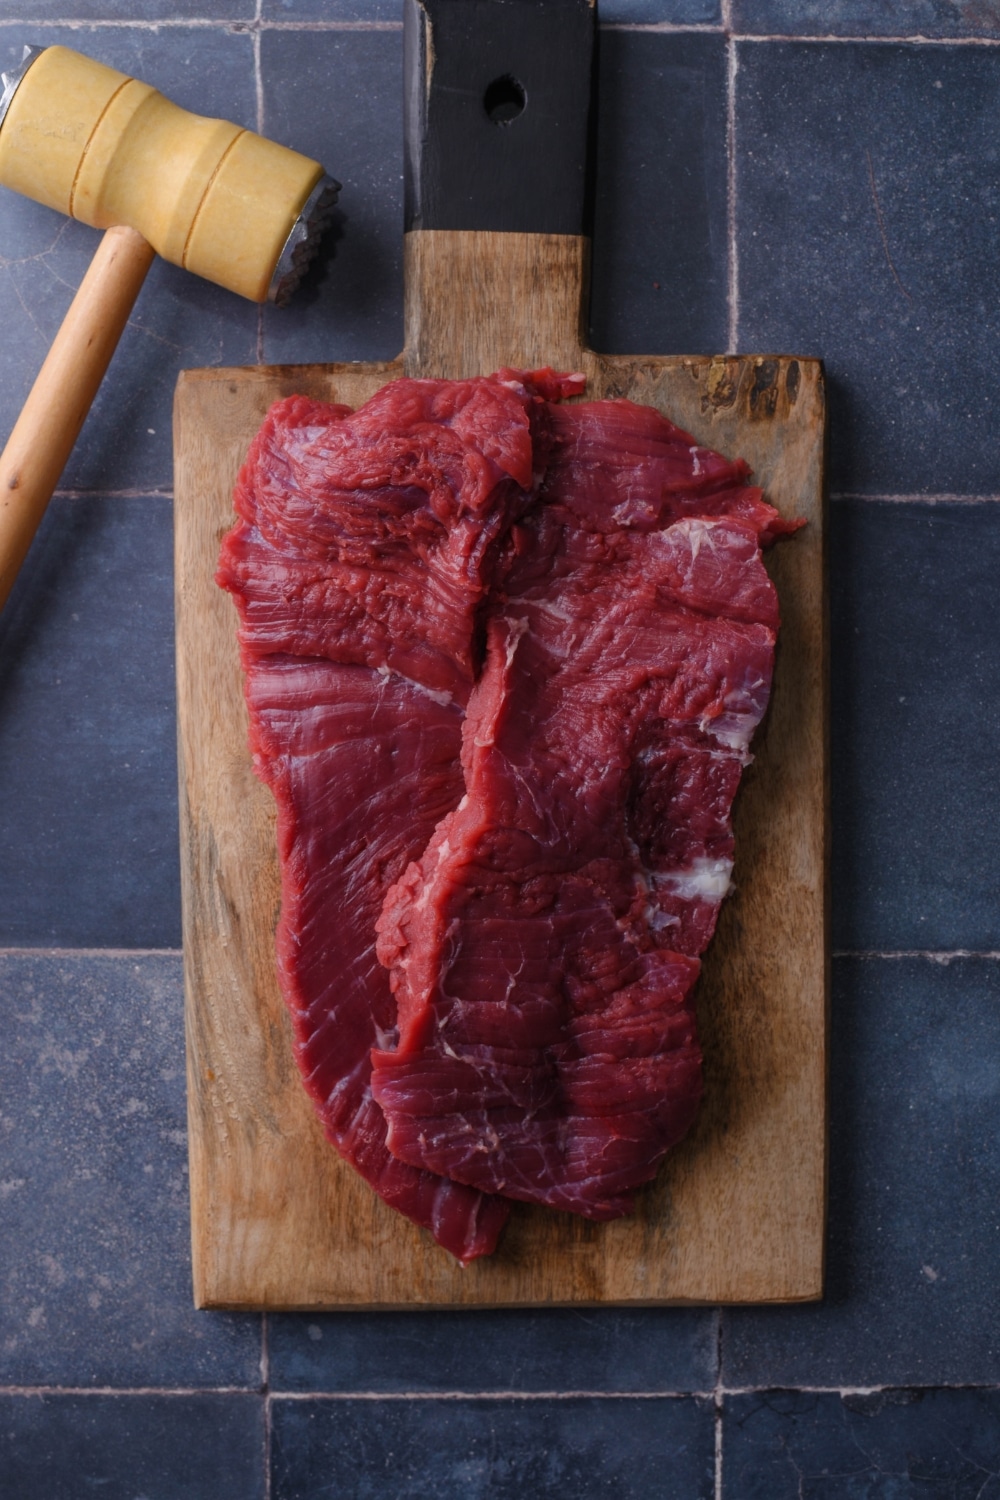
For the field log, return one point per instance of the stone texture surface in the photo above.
(660, 258)
(867, 190)
(864, 18)
(88, 771)
(856, 221)
(387, 12)
(888, 1445)
(914, 1239)
(95, 1270)
(206, 1447)
(445, 1450)
(915, 726)
(588, 1349)
(337, 96)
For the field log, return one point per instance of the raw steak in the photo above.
(371, 538)
(544, 948)
(583, 588)
(364, 553)
(362, 766)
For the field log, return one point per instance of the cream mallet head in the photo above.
(210, 196)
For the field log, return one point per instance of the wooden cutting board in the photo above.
(737, 1212)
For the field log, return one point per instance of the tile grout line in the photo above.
(113, 494)
(271, 1395)
(258, 83)
(858, 1390)
(722, 1390)
(666, 28)
(933, 955)
(54, 952)
(505, 1395)
(733, 288)
(265, 1380)
(34, 1391)
(943, 956)
(719, 1402)
(239, 25)
(916, 499)
(265, 25)
(716, 1395)
(234, 25)
(879, 41)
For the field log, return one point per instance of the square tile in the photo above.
(179, 319)
(88, 760)
(587, 1349)
(660, 256)
(893, 1445)
(506, 1450)
(862, 18)
(206, 1447)
(867, 192)
(95, 1285)
(913, 1250)
(338, 96)
(915, 726)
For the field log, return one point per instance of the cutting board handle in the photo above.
(497, 129)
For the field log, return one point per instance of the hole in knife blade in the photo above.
(504, 100)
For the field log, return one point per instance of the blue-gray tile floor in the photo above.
(819, 178)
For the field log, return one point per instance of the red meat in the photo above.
(573, 599)
(360, 565)
(362, 766)
(544, 949)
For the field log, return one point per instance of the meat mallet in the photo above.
(112, 152)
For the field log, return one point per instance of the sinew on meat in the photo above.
(571, 598)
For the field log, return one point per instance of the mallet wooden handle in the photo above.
(61, 397)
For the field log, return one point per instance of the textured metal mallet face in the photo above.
(303, 241)
(9, 81)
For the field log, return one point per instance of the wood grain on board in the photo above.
(737, 1212)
